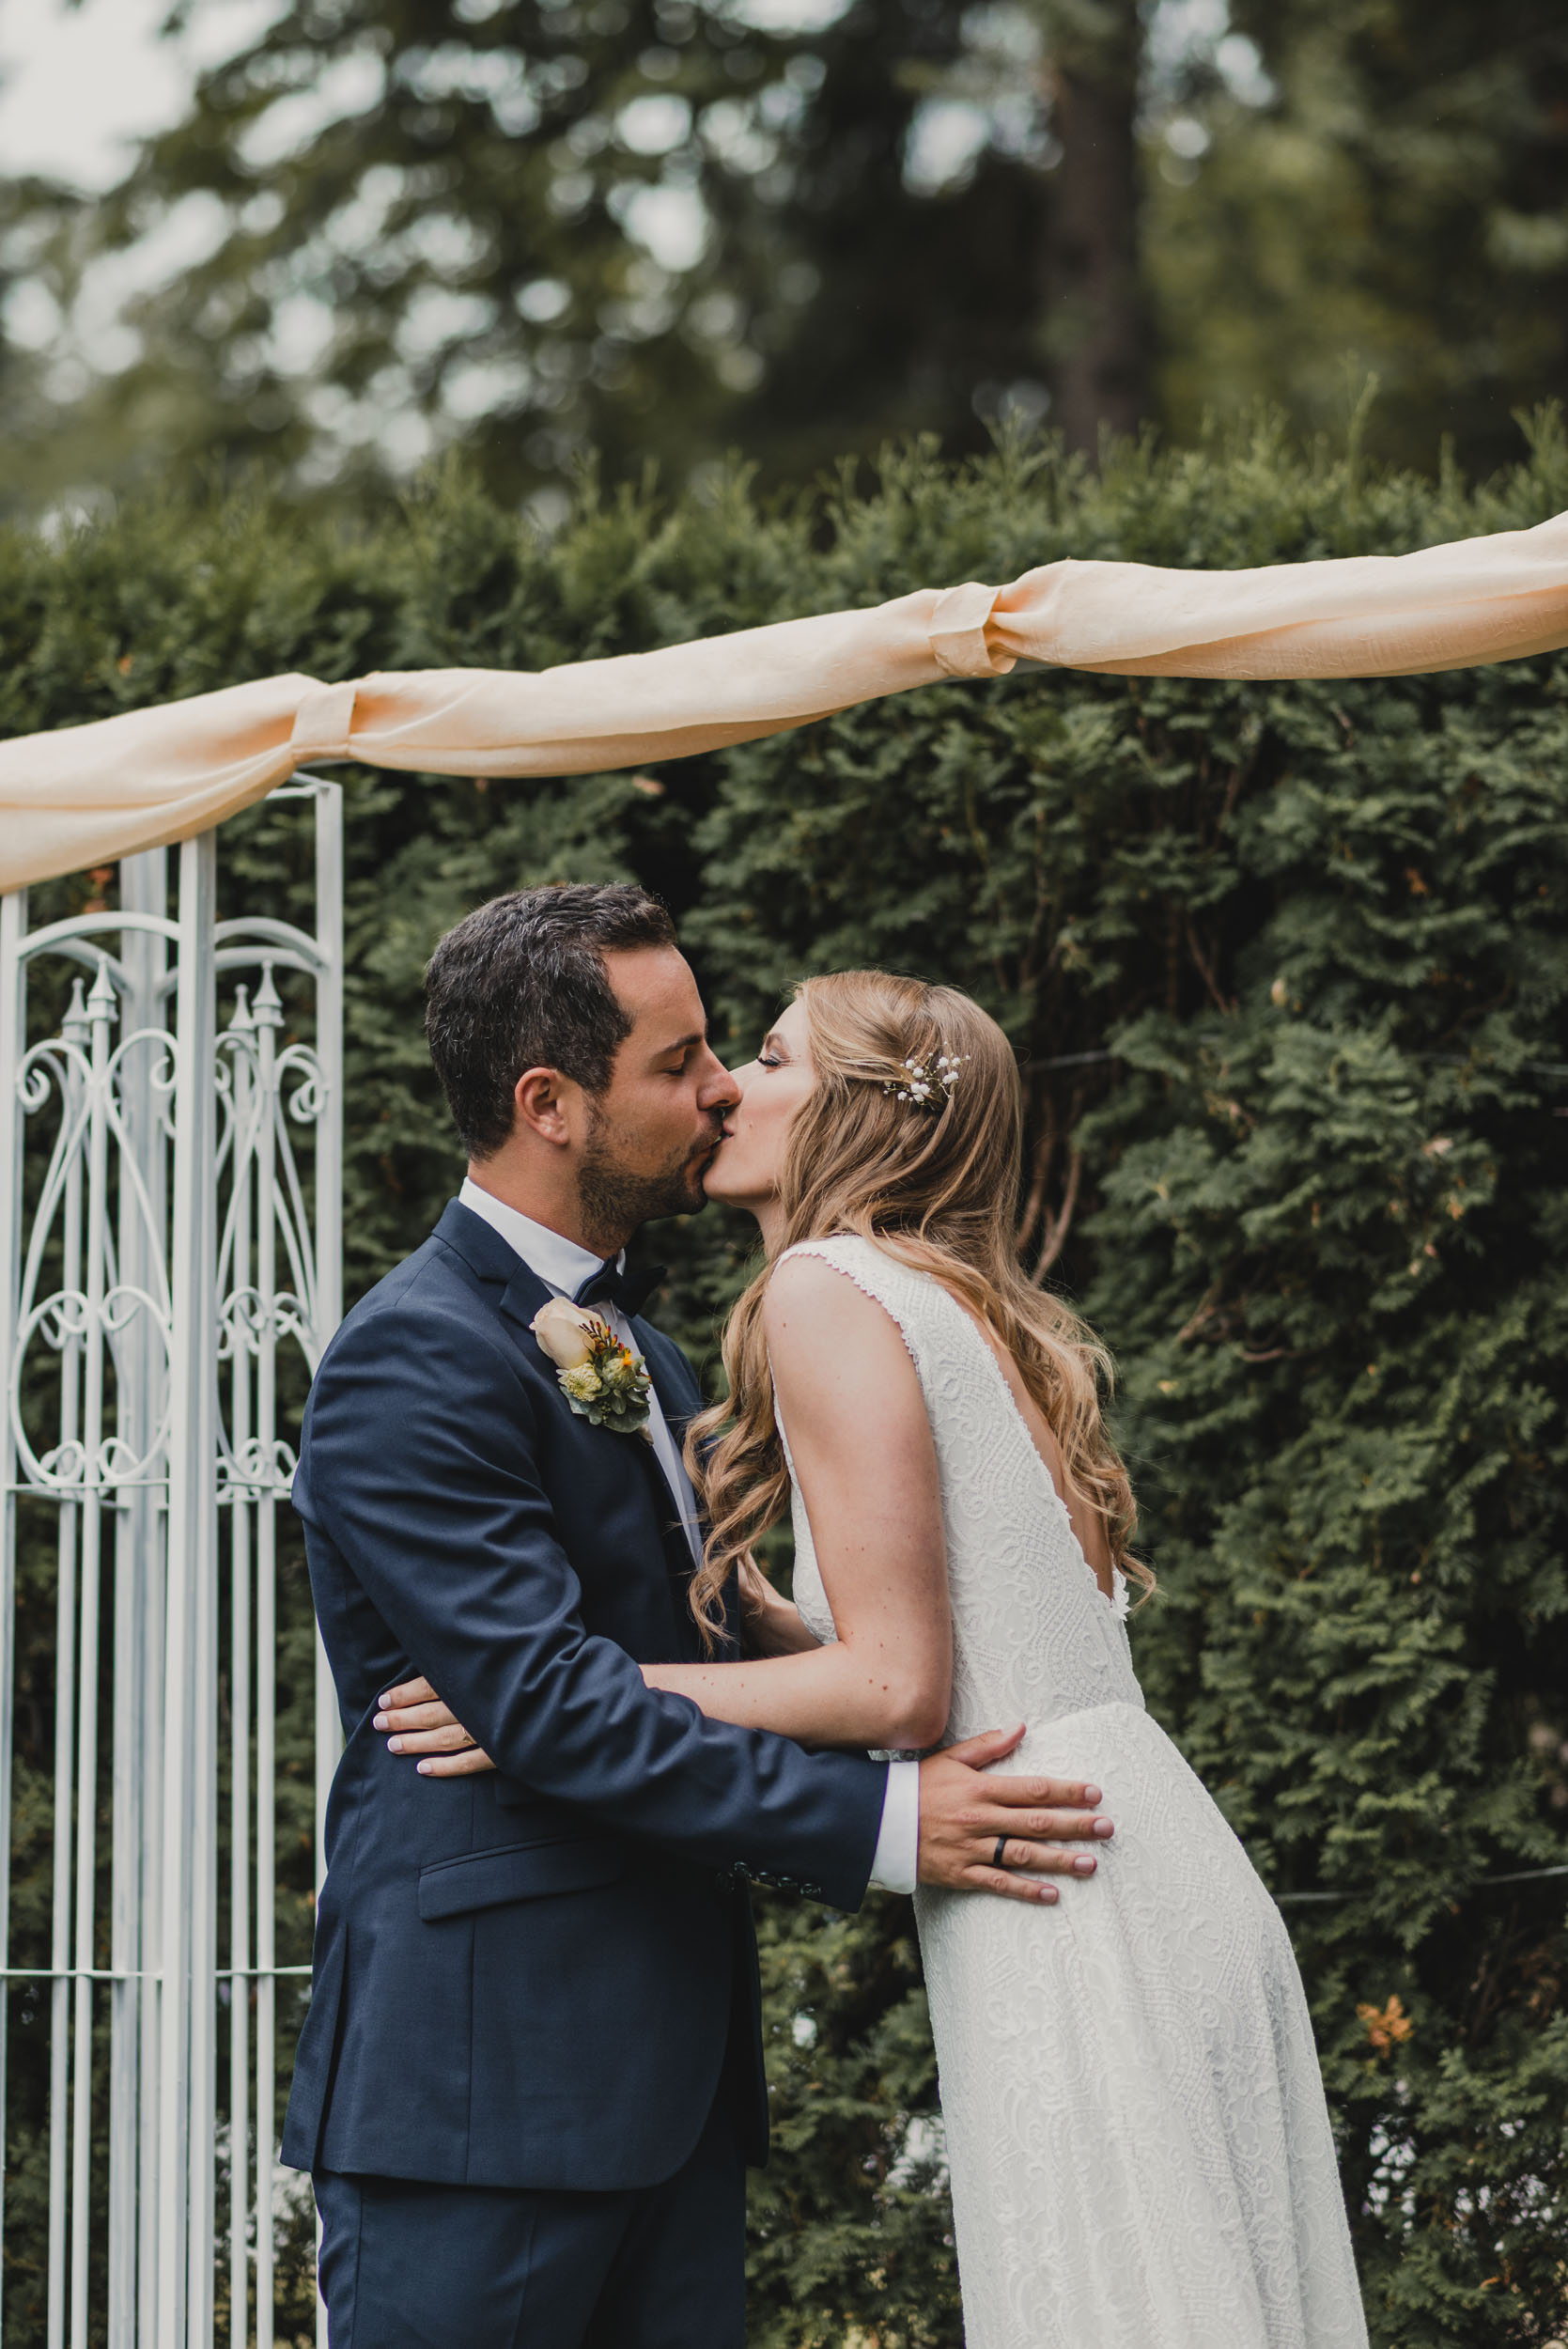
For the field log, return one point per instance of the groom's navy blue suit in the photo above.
(528, 1981)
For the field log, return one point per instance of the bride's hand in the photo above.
(421, 1723)
(757, 1593)
(772, 1624)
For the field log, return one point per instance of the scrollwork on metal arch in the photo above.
(111, 1327)
(68, 1318)
(247, 1319)
(304, 1106)
(263, 1092)
(255, 1469)
(91, 1157)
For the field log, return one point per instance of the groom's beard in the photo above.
(615, 1198)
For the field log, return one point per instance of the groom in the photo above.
(531, 2075)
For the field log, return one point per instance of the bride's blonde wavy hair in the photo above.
(938, 1188)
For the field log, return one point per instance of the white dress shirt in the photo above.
(562, 1266)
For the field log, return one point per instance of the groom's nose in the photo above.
(715, 1088)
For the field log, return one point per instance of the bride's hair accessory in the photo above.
(927, 1084)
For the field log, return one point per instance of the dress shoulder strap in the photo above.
(903, 1294)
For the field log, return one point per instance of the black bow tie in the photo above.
(628, 1291)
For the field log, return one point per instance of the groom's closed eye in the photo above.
(676, 1058)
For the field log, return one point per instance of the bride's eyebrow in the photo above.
(774, 1042)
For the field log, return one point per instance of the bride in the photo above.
(1139, 2150)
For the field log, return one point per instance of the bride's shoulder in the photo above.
(826, 1313)
(840, 1250)
(836, 1283)
(819, 1266)
(814, 1272)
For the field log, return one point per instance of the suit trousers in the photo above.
(409, 2266)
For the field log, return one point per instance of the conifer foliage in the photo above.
(1287, 967)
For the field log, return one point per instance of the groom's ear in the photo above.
(550, 1105)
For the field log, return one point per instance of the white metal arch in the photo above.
(152, 1275)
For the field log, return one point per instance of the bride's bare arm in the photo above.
(419, 1722)
(861, 1443)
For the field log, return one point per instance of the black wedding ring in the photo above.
(997, 1859)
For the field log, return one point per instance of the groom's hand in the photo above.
(978, 1833)
(1034, 1827)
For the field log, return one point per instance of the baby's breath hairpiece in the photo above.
(927, 1084)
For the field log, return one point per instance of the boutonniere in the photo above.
(603, 1381)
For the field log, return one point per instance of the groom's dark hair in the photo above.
(521, 984)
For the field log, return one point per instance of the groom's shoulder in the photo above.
(432, 1280)
(435, 1297)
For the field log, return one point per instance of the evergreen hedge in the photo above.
(1287, 967)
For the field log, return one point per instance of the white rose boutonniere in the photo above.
(603, 1381)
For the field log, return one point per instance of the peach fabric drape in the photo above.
(88, 795)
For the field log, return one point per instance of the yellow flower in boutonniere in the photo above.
(603, 1381)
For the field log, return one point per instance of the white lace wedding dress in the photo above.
(1139, 2150)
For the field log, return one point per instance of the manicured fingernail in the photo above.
(1084, 1866)
(385, 1697)
(1103, 1830)
(379, 1721)
(1092, 1794)
(395, 1745)
(1048, 1893)
(424, 1768)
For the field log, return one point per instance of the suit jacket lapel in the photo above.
(522, 1297)
(523, 1293)
(679, 1410)
(488, 1256)
(676, 1408)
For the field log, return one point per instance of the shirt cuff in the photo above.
(896, 1861)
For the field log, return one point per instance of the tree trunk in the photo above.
(1095, 330)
